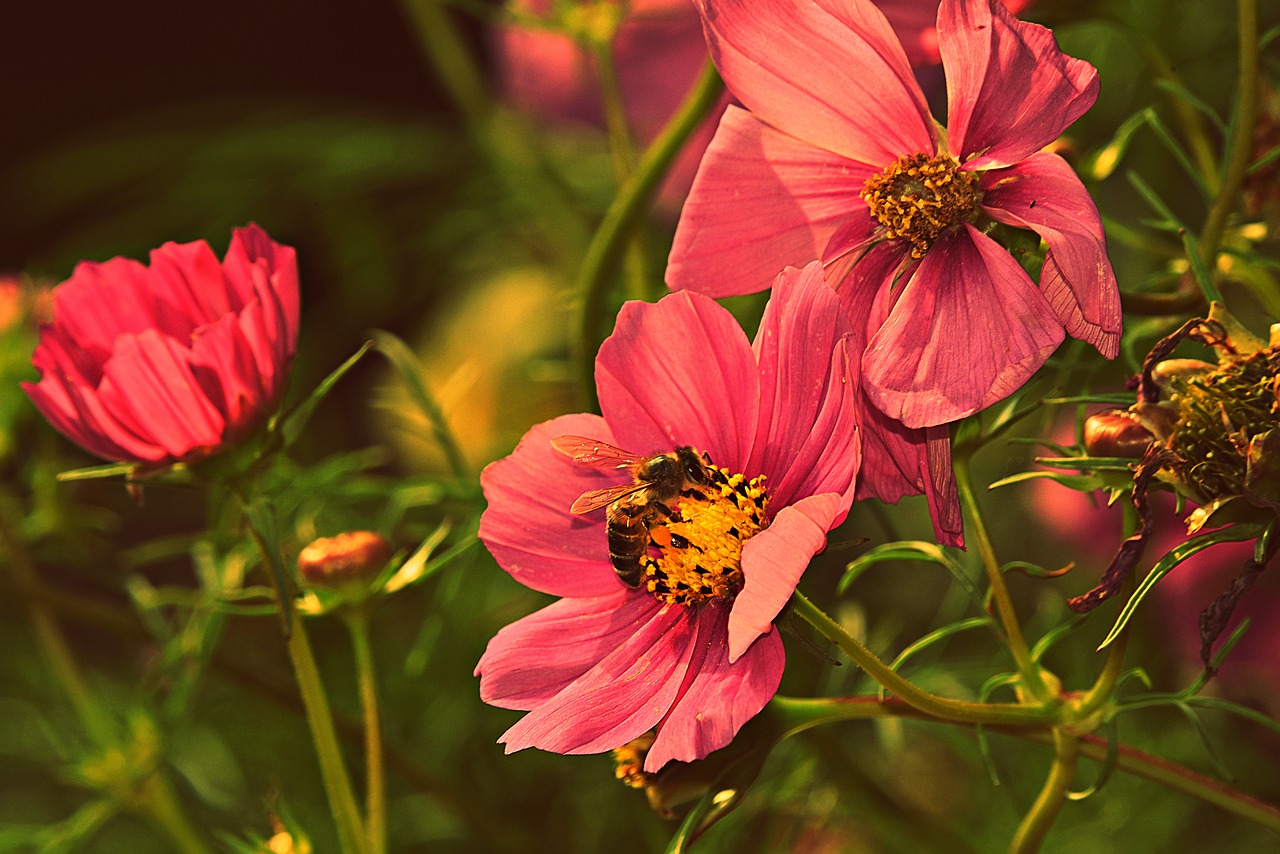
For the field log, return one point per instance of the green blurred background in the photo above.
(420, 205)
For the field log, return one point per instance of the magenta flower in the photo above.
(690, 650)
(836, 157)
(170, 362)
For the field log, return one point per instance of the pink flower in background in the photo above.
(690, 651)
(916, 23)
(170, 362)
(836, 157)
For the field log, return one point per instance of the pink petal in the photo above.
(940, 488)
(680, 372)
(969, 329)
(533, 659)
(895, 458)
(761, 200)
(626, 694)
(720, 697)
(251, 248)
(188, 287)
(830, 72)
(528, 527)
(1043, 194)
(222, 362)
(774, 560)
(98, 303)
(64, 405)
(148, 387)
(807, 436)
(1011, 90)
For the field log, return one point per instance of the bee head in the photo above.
(691, 465)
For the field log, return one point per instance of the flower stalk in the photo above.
(357, 620)
(1035, 825)
(942, 708)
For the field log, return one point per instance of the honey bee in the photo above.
(633, 507)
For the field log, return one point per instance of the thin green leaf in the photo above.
(296, 421)
(1081, 482)
(417, 568)
(1177, 555)
(262, 520)
(1198, 268)
(936, 635)
(1105, 161)
(1054, 635)
(1108, 764)
(411, 374)
(95, 472)
(1219, 765)
(1115, 398)
(1236, 709)
(1169, 222)
(911, 550)
(1179, 153)
(1184, 94)
(1271, 156)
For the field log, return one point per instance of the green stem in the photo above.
(1035, 825)
(999, 590)
(931, 704)
(1224, 203)
(315, 702)
(798, 715)
(445, 48)
(606, 244)
(357, 620)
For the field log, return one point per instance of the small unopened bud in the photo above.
(1116, 433)
(348, 560)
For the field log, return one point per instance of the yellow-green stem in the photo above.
(931, 704)
(1005, 611)
(1035, 825)
(620, 219)
(357, 620)
(1228, 195)
(333, 771)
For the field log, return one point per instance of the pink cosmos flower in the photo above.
(836, 157)
(916, 23)
(170, 362)
(690, 651)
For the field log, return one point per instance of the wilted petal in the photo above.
(680, 372)
(627, 693)
(1043, 194)
(831, 73)
(720, 697)
(969, 329)
(528, 527)
(774, 560)
(806, 439)
(761, 200)
(535, 658)
(1010, 89)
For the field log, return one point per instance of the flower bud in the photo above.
(346, 562)
(1116, 433)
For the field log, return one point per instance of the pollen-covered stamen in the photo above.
(918, 197)
(700, 545)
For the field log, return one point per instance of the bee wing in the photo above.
(597, 498)
(593, 452)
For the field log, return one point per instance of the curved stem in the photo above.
(1035, 825)
(800, 714)
(1224, 203)
(999, 590)
(931, 704)
(160, 803)
(606, 244)
(357, 620)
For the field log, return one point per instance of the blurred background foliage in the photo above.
(375, 138)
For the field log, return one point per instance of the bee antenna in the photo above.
(841, 545)
(788, 623)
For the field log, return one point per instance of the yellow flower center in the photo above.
(700, 545)
(918, 197)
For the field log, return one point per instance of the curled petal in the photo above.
(533, 659)
(829, 72)
(774, 560)
(969, 329)
(625, 694)
(720, 697)
(528, 527)
(1043, 194)
(680, 372)
(1010, 89)
(761, 200)
(807, 435)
